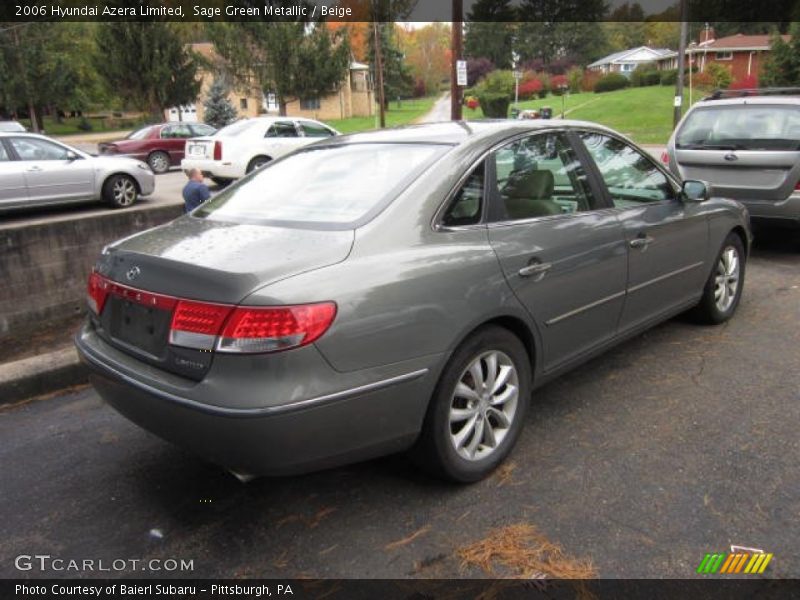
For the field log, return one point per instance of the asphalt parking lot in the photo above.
(680, 442)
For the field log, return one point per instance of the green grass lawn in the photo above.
(69, 126)
(408, 112)
(644, 114)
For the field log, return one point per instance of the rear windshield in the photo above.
(238, 127)
(746, 127)
(140, 134)
(329, 185)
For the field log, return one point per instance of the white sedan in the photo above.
(246, 145)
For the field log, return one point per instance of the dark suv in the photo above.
(747, 145)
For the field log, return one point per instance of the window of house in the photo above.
(243, 103)
(724, 55)
(309, 104)
(631, 177)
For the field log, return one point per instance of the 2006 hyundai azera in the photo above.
(403, 289)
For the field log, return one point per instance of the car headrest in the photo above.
(530, 185)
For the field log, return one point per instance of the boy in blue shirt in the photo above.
(195, 192)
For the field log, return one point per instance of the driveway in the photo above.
(678, 443)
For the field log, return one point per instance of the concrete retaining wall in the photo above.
(44, 266)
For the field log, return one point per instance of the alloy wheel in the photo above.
(483, 405)
(124, 192)
(726, 282)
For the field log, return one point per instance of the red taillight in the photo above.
(217, 150)
(97, 292)
(239, 329)
(797, 187)
(665, 158)
(268, 329)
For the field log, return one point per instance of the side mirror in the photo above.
(72, 156)
(695, 191)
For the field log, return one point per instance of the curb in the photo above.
(29, 377)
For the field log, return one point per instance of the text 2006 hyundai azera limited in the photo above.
(400, 290)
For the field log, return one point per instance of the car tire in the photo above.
(723, 289)
(466, 435)
(159, 162)
(120, 191)
(257, 163)
(222, 181)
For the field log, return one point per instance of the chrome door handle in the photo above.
(35, 169)
(641, 242)
(535, 269)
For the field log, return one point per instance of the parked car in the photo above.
(12, 126)
(747, 145)
(160, 146)
(38, 171)
(248, 144)
(401, 289)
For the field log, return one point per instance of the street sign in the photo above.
(517, 75)
(461, 72)
(677, 101)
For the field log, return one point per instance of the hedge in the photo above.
(611, 82)
(494, 105)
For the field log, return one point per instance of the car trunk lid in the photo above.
(202, 260)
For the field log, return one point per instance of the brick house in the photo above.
(743, 55)
(354, 97)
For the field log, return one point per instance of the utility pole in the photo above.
(456, 45)
(379, 74)
(677, 104)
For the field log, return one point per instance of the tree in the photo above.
(218, 108)
(548, 33)
(782, 68)
(398, 81)
(292, 59)
(427, 52)
(489, 32)
(147, 64)
(625, 28)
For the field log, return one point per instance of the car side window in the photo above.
(36, 149)
(315, 130)
(541, 176)
(3, 154)
(466, 206)
(281, 129)
(632, 178)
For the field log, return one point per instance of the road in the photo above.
(440, 111)
(679, 442)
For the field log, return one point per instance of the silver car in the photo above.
(39, 171)
(403, 289)
(748, 148)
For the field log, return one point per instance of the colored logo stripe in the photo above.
(734, 563)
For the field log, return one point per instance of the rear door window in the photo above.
(282, 129)
(540, 176)
(741, 127)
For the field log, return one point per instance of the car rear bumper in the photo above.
(213, 168)
(274, 437)
(786, 212)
